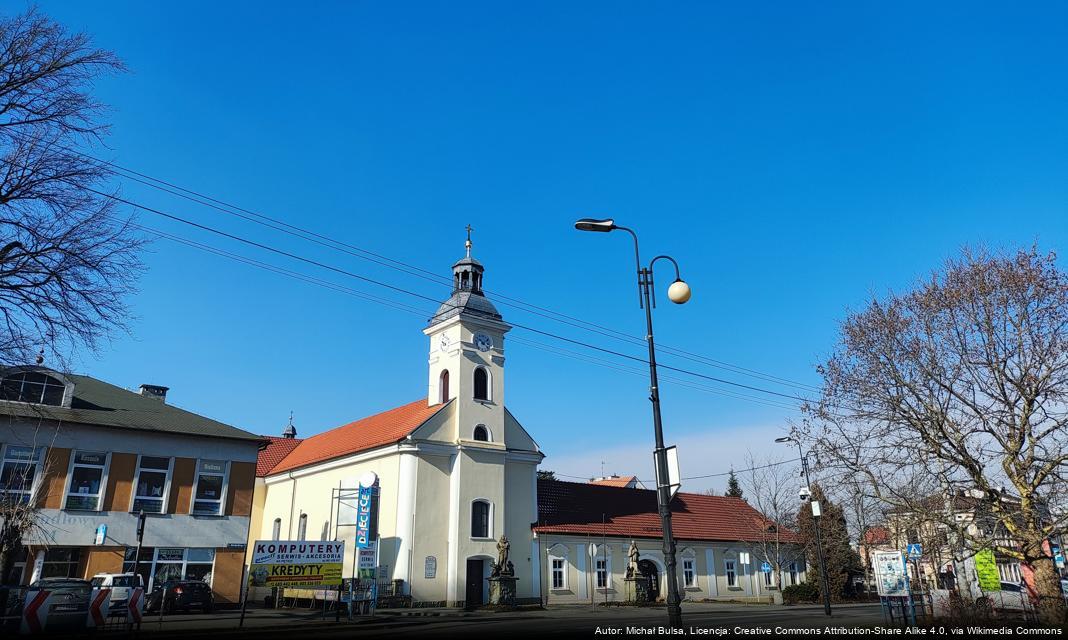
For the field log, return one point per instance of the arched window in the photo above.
(481, 433)
(480, 519)
(276, 532)
(32, 386)
(558, 566)
(481, 384)
(302, 527)
(443, 386)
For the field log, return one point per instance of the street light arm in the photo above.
(637, 259)
(677, 274)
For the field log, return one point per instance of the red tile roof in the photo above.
(276, 449)
(877, 535)
(375, 431)
(615, 481)
(577, 508)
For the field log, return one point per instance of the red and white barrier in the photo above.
(135, 605)
(99, 605)
(35, 611)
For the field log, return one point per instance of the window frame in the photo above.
(474, 433)
(559, 552)
(166, 484)
(601, 572)
(689, 572)
(64, 400)
(101, 492)
(35, 483)
(794, 573)
(223, 491)
(474, 384)
(489, 519)
(730, 572)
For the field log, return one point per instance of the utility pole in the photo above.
(816, 513)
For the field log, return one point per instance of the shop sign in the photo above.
(296, 563)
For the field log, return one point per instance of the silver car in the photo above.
(68, 603)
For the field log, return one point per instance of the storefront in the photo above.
(171, 563)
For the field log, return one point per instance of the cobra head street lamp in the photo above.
(594, 224)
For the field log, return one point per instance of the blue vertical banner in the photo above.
(367, 511)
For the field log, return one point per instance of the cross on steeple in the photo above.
(468, 243)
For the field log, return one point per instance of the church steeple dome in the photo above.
(290, 431)
(467, 272)
(467, 295)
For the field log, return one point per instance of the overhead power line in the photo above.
(415, 294)
(348, 248)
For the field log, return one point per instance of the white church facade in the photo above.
(457, 471)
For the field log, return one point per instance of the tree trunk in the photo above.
(1051, 606)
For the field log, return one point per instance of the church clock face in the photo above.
(443, 342)
(483, 342)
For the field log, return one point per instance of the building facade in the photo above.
(584, 533)
(456, 470)
(91, 456)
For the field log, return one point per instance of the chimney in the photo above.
(155, 392)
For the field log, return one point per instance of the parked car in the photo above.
(121, 584)
(181, 595)
(68, 603)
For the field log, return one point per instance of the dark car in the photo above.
(181, 595)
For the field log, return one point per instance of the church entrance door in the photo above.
(474, 582)
(648, 568)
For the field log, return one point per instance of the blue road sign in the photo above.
(766, 567)
(915, 550)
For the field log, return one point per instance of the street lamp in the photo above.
(679, 292)
(816, 524)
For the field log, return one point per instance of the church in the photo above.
(457, 471)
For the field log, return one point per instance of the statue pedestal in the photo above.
(502, 590)
(638, 590)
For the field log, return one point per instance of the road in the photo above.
(699, 619)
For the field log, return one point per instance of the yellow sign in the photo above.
(283, 563)
(296, 575)
(986, 568)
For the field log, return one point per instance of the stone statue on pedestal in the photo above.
(503, 566)
(632, 565)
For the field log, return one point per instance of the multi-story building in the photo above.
(89, 457)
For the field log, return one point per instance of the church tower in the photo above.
(466, 358)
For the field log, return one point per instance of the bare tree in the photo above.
(67, 259)
(771, 488)
(961, 383)
(863, 511)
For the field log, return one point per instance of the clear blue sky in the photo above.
(794, 159)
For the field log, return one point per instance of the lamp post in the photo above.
(825, 587)
(679, 293)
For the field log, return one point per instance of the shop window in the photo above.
(61, 562)
(19, 471)
(86, 485)
(153, 478)
(210, 487)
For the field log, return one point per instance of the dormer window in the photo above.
(33, 387)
